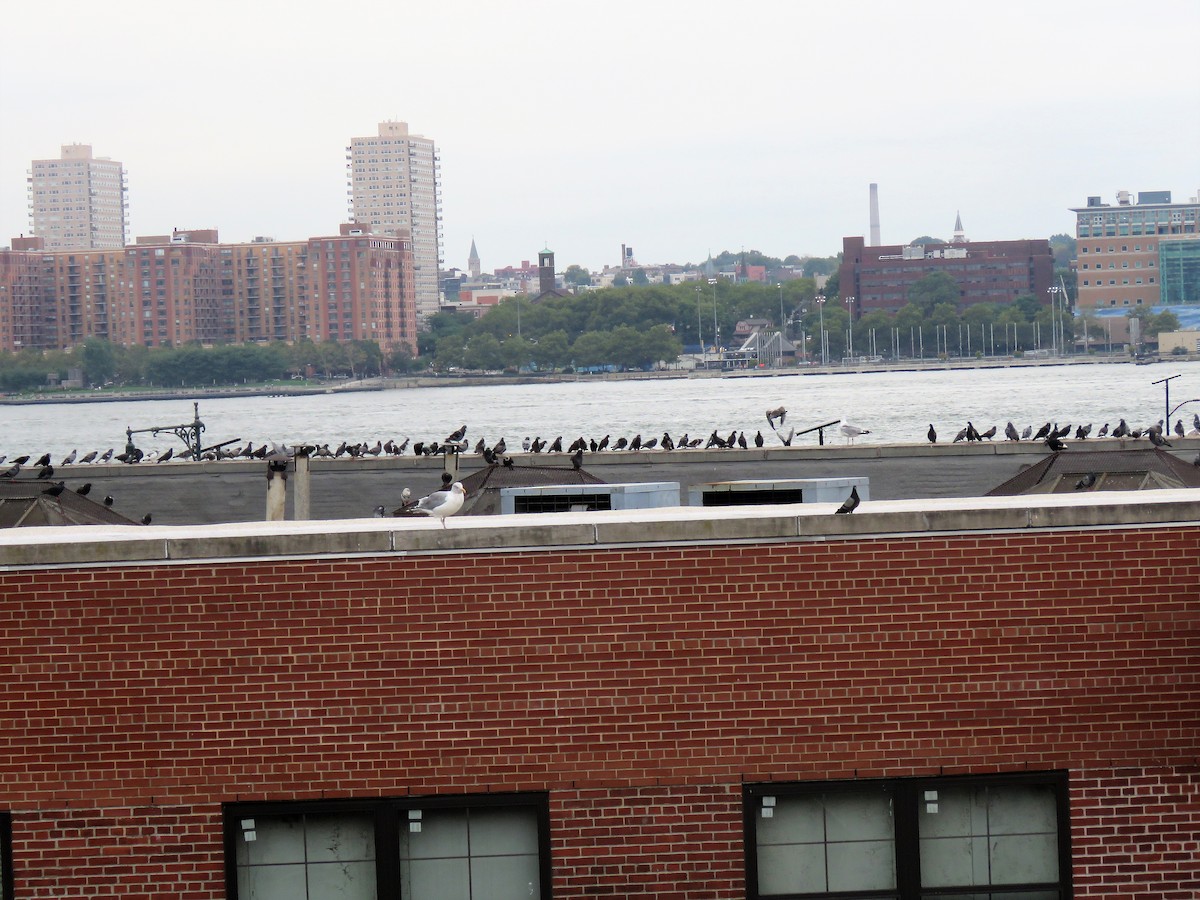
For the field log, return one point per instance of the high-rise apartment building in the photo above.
(394, 188)
(78, 201)
(1138, 254)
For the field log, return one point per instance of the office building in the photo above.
(984, 271)
(394, 186)
(78, 201)
(1142, 253)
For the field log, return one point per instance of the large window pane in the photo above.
(988, 835)
(841, 841)
(294, 857)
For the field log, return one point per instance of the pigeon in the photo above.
(931, 434)
(1027, 433)
(1086, 481)
(1082, 432)
(55, 489)
(961, 436)
(84, 489)
(43, 460)
(778, 413)
(1156, 438)
(989, 434)
(972, 433)
(851, 502)
(1122, 430)
(852, 431)
(47, 471)
(69, 458)
(1179, 427)
(12, 471)
(147, 518)
(379, 512)
(1103, 432)
(577, 459)
(443, 503)
(108, 501)
(1044, 432)
(166, 456)
(1010, 432)
(1055, 443)
(758, 439)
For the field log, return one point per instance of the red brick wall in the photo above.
(640, 687)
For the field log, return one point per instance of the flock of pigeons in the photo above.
(1052, 434)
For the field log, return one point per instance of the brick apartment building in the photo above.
(187, 286)
(987, 698)
(985, 271)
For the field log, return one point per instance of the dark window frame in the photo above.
(905, 792)
(6, 872)
(388, 813)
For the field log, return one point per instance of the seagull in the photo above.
(443, 503)
(851, 502)
(852, 431)
(778, 413)
(931, 434)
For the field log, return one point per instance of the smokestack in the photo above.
(875, 239)
(276, 490)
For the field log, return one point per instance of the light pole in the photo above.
(782, 322)
(820, 298)
(699, 332)
(849, 301)
(716, 330)
(1053, 292)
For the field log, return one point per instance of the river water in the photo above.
(897, 407)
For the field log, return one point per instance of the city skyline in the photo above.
(660, 126)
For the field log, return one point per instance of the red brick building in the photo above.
(989, 698)
(985, 271)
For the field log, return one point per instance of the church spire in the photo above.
(473, 261)
(960, 236)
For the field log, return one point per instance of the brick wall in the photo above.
(638, 686)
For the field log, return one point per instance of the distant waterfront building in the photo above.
(1138, 254)
(985, 271)
(78, 201)
(395, 189)
(188, 287)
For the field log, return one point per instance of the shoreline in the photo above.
(445, 381)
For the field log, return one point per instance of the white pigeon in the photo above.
(443, 503)
(852, 431)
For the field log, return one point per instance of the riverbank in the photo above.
(311, 388)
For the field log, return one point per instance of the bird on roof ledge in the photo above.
(443, 504)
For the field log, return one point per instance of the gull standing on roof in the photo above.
(852, 431)
(443, 503)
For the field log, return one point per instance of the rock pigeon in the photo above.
(851, 502)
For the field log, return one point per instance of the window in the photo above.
(493, 847)
(1002, 837)
(6, 884)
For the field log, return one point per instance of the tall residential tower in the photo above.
(394, 187)
(78, 201)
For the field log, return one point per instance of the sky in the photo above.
(678, 128)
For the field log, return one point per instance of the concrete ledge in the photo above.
(102, 545)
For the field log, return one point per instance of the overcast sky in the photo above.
(675, 127)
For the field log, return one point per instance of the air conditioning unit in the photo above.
(783, 490)
(547, 498)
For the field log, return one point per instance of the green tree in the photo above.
(592, 348)
(577, 275)
(99, 360)
(483, 351)
(640, 277)
(620, 281)
(934, 289)
(551, 350)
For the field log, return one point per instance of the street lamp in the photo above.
(820, 298)
(1053, 292)
(699, 331)
(716, 330)
(849, 301)
(782, 322)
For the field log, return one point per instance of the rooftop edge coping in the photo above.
(104, 544)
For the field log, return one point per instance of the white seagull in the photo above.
(443, 503)
(852, 431)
